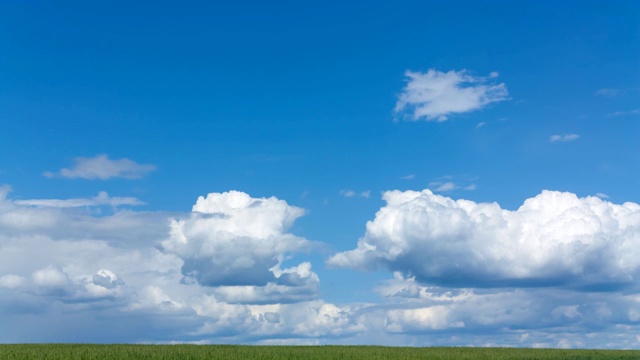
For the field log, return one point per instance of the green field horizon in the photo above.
(272, 352)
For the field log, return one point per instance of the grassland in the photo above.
(233, 352)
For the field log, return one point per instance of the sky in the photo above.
(415, 173)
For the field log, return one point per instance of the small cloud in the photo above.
(408, 177)
(352, 193)
(470, 187)
(100, 200)
(608, 92)
(347, 193)
(623, 113)
(563, 138)
(481, 124)
(435, 95)
(447, 186)
(101, 167)
(602, 195)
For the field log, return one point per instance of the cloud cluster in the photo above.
(145, 278)
(101, 167)
(435, 95)
(554, 238)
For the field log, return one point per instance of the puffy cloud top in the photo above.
(554, 238)
(234, 239)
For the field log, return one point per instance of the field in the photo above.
(233, 352)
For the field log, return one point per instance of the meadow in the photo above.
(233, 352)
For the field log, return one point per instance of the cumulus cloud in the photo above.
(435, 95)
(114, 271)
(563, 138)
(554, 238)
(232, 239)
(101, 199)
(101, 167)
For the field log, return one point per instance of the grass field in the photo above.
(233, 352)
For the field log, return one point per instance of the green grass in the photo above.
(233, 352)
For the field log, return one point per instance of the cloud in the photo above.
(101, 199)
(608, 92)
(481, 124)
(435, 95)
(114, 271)
(232, 239)
(553, 239)
(563, 138)
(447, 186)
(101, 167)
(351, 193)
(624, 113)
(408, 177)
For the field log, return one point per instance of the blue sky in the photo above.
(416, 173)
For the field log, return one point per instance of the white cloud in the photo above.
(447, 186)
(84, 270)
(11, 281)
(554, 238)
(481, 124)
(101, 199)
(101, 167)
(435, 95)
(602, 195)
(624, 113)
(408, 177)
(608, 92)
(563, 138)
(352, 193)
(233, 239)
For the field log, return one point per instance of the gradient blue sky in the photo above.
(159, 104)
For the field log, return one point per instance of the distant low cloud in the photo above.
(103, 199)
(563, 138)
(101, 167)
(553, 239)
(435, 95)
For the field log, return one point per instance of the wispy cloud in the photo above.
(480, 124)
(435, 95)
(628, 112)
(352, 193)
(446, 186)
(100, 200)
(608, 92)
(101, 167)
(563, 138)
(408, 177)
